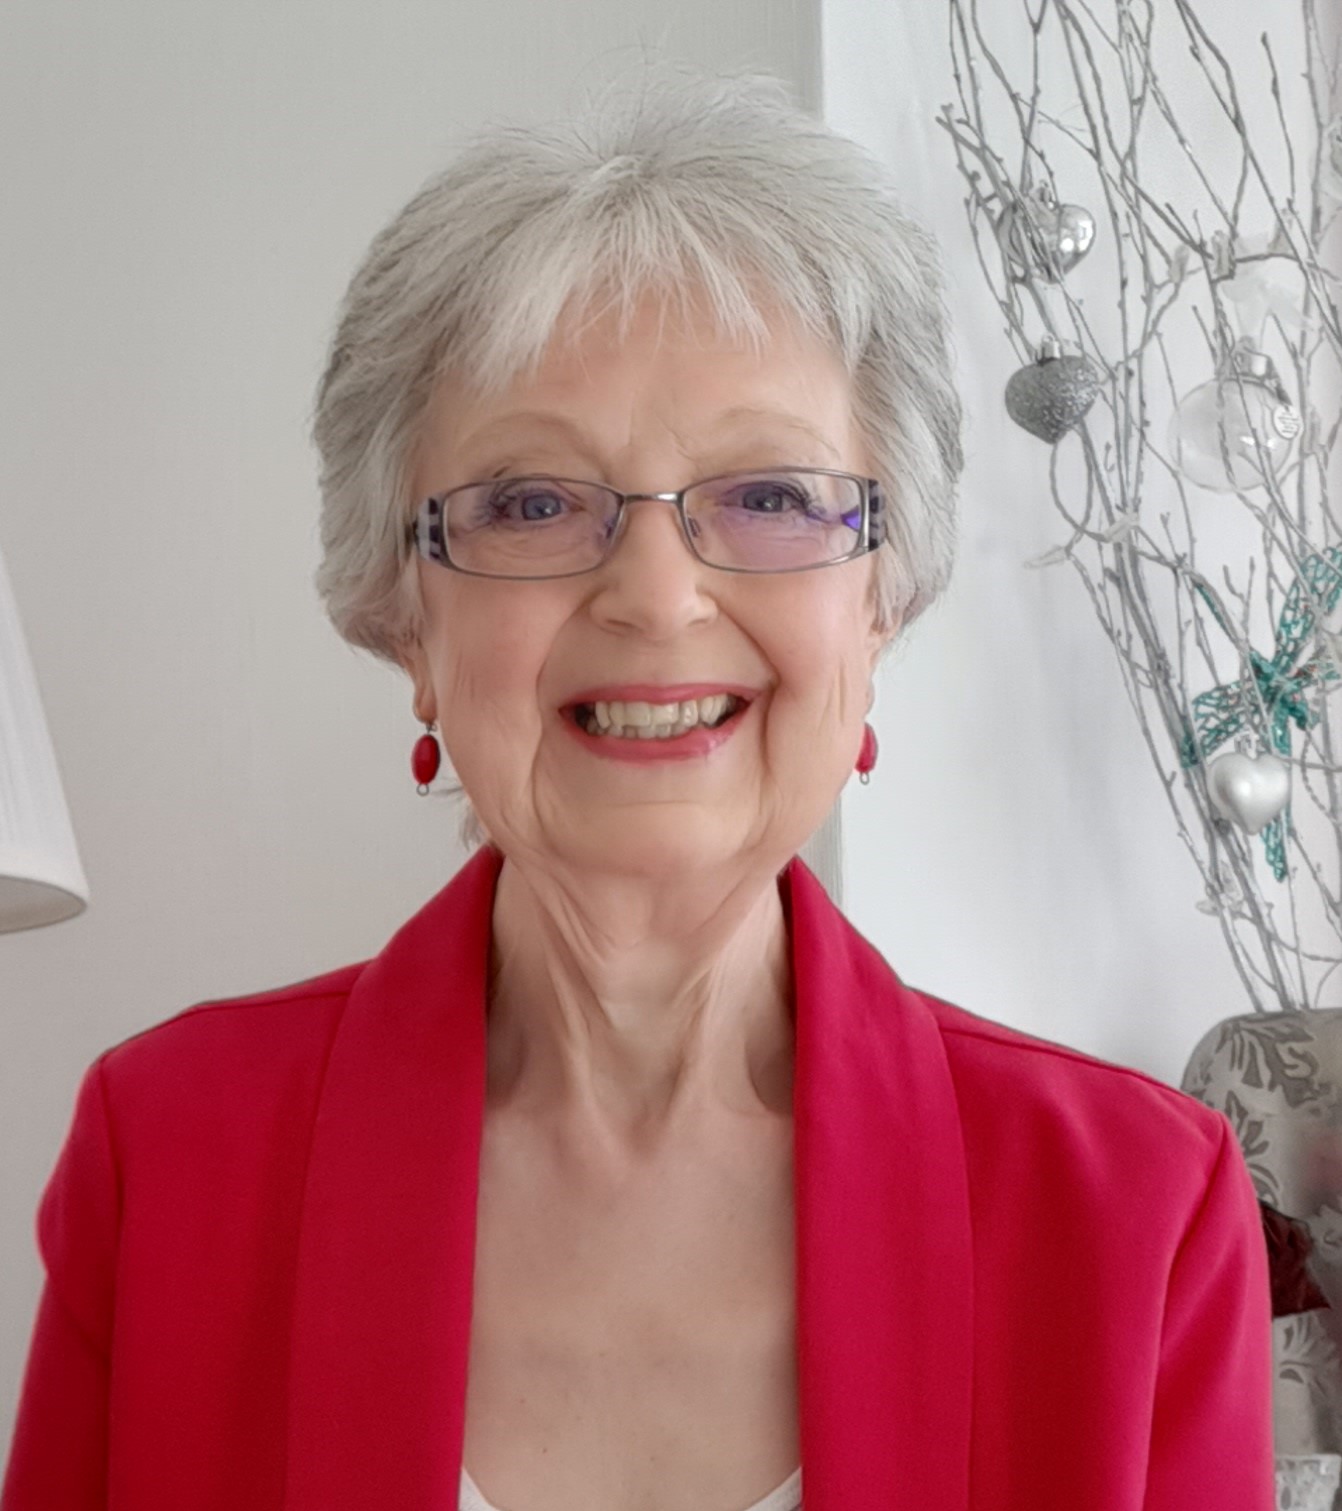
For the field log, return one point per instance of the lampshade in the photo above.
(41, 880)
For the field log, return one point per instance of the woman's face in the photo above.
(501, 664)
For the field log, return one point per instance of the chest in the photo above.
(633, 1343)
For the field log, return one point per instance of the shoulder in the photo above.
(1059, 1114)
(278, 1015)
(1017, 1095)
(170, 1123)
(240, 1068)
(216, 1060)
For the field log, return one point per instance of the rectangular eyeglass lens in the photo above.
(774, 521)
(523, 526)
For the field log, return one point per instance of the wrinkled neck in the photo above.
(634, 1007)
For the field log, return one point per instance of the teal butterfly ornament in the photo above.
(1277, 693)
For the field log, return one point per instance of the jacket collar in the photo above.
(381, 1320)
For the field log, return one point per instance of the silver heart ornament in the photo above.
(1041, 239)
(1053, 393)
(1250, 792)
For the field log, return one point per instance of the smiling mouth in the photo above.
(656, 721)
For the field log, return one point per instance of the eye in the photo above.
(772, 496)
(528, 503)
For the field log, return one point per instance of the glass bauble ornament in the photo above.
(1231, 434)
(1041, 238)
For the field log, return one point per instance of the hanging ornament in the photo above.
(1249, 792)
(1234, 432)
(1040, 238)
(1278, 688)
(1053, 393)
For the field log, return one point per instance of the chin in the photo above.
(659, 841)
(679, 842)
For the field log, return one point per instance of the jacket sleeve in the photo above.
(58, 1458)
(1211, 1440)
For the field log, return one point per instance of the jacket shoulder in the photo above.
(1100, 1157)
(227, 1059)
(1058, 1090)
(172, 1119)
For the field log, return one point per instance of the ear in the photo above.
(415, 663)
(880, 640)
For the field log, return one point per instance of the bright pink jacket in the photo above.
(1026, 1280)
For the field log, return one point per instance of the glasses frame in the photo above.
(427, 536)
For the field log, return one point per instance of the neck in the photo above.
(635, 1009)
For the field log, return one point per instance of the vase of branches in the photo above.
(1165, 278)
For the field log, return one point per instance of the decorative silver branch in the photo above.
(1206, 355)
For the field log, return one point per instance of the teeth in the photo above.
(657, 721)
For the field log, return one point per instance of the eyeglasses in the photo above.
(786, 520)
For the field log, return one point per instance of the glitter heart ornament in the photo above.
(1249, 792)
(1052, 394)
(1040, 238)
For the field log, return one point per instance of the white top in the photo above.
(787, 1497)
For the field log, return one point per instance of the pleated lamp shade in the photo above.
(41, 880)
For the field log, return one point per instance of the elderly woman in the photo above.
(628, 1177)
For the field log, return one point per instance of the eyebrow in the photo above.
(729, 418)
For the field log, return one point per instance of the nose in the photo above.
(652, 583)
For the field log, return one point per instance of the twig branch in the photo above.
(1179, 629)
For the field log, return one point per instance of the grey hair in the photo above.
(694, 182)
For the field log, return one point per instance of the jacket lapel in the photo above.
(381, 1322)
(884, 1263)
(381, 1317)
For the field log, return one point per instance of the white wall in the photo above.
(185, 189)
(1015, 851)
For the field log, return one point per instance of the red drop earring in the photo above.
(866, 757)
(425, 760)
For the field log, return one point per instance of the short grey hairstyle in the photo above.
(690, 183)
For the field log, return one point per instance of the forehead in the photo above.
(740, 423)
(666, 375)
